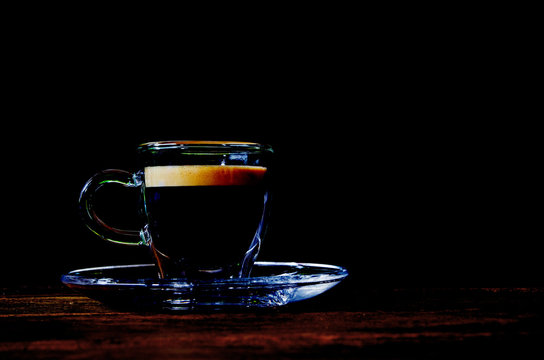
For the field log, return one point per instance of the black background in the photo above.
(406, 154)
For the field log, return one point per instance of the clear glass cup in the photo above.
(205, 204)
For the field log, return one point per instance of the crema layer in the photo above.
(203, 175)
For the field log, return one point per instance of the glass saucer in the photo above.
(271, 284)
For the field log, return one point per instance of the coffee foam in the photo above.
(203, 175)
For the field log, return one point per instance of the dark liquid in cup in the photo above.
(203, 219)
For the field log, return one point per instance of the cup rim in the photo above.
(200, 145)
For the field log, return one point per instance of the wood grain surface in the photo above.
(393, 323)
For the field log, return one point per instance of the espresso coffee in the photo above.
(204, 216)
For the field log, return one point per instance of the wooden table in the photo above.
(375, 323)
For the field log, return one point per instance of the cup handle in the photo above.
(91, 219)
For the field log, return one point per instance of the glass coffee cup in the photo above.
(205, 206)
